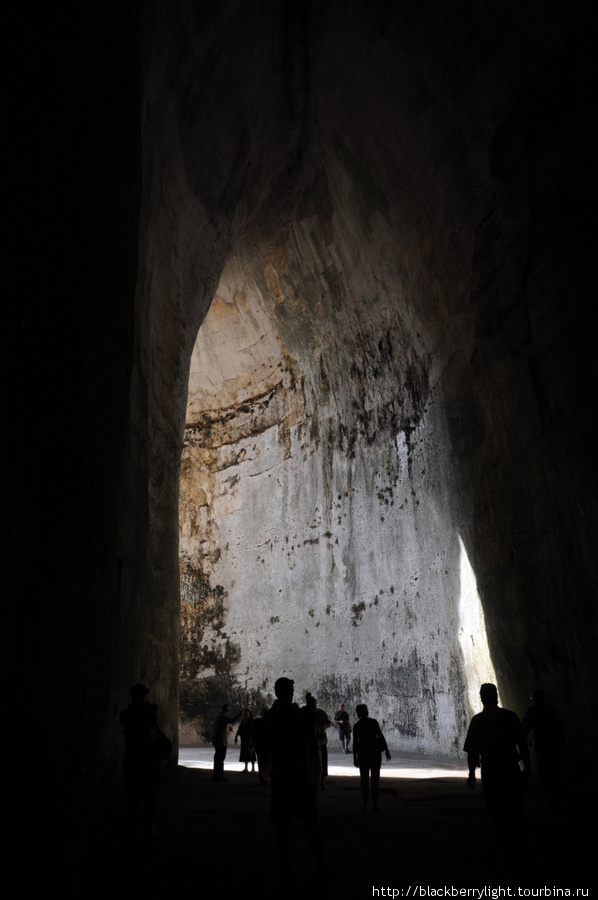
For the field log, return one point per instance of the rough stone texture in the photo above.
(404, 191)
(364, 431)
(316, 522)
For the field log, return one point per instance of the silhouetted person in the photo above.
(550, 744)
(245, 734)
(222, 729)
(289, 732)
(316, 720)
(261, 748)
(368, 746)
(341, 719)
(144, 749)
(495, 739)
(323, 722)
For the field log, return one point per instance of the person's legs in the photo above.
(314, 839)
(283, 828)
(549, 775)
(517, 846)
(505, 803)
(134, 800)
(219, 756)
(364, 774)
(324, 764)
(375, 783)
(261, 766)
(151, 793)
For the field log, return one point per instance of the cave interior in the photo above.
(315, 273)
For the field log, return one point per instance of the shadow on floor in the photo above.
(216, 839)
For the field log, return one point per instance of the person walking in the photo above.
(368, 746)
(341, 720)
(496, 742)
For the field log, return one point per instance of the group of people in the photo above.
(292, 745)
(368, 744)
(497, 742)
(288, 744)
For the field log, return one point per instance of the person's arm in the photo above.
(382, 740)
(524, 753)
(356, 748)
(473, 761)
(472, 748)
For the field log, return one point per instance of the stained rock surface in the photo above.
(376, 490)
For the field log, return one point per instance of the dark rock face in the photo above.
(401, 193)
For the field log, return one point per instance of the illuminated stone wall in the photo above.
(369, 485)
(304, 533)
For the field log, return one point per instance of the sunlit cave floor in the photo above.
(431, 832)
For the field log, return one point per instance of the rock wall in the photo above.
(320, 514)
(369, 488)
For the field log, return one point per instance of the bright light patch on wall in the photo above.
(477, 664)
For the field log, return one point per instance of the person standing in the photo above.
(550, 745)
(261, 748)
(495, 740)
(222, 729)
(316, 722)
(368, 746)
(245, 734)
(289, 733)
(145, 747)
(341, 720)
(323, 723)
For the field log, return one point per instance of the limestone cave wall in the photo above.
(375, 485)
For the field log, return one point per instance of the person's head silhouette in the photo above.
(489, 695)
(138, 693)
(283, 688)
